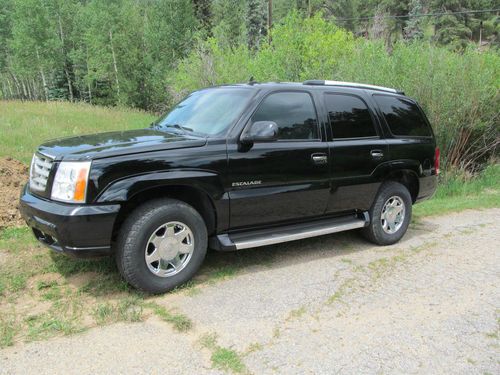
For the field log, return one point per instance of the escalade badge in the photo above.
(246, 183)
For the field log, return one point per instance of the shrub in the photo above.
(459, 92)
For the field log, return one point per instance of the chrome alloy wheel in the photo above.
(393, 214)
(169, 249)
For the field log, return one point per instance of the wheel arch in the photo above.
(193, 196)
(406, 177)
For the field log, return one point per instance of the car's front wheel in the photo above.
(390, 214)
(161, 245)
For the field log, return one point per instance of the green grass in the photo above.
(297, 313)
(43, 326)
(13, 272)
(179, 321)
(227, 360)
(222, 358)
(457, 193)
(16, 239)
(222, 273)
(24, 125)
(126, 310)
(53, 293)
(8, 330)
(106, 284)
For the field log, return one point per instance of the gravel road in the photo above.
(427, 305)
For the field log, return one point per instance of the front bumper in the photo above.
(78, 230)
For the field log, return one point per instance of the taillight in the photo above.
(436, 160)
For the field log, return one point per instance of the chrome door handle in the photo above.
(377, 154)
(319, 159)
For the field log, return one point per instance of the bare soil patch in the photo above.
(13, 174)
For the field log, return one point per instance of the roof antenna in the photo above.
(251, 81)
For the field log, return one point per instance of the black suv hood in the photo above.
(101, 145)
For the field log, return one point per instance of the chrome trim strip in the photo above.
(274, 239)
(360, 85)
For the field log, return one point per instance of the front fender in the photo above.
(124, 189)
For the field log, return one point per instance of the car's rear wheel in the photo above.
(161, 245)
(390, 214)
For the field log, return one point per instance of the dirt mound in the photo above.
(13, 174)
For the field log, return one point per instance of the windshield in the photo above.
(206, 112)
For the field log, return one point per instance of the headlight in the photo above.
(70, 182)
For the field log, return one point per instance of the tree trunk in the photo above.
(16, 83)
(35, 89)
(66, 71)
(269, 19)
(28, 88)
(44, 81)
(25, 92)
(4, 90)
(114, 64)
(88, 73)
(9, 86)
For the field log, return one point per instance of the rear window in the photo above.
(403, 116)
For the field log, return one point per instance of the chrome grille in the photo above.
(40, 170)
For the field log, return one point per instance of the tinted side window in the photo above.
(402, 116)
(349, 116)
(292, 111)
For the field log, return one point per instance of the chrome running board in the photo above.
(270, 236)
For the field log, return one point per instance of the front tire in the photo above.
(390, 214)
(161, 245)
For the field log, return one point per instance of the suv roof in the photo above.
(317, 82)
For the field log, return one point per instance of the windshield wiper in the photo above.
(183, 129)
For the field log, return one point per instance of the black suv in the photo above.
(234, 167)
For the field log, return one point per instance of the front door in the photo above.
(284, 180)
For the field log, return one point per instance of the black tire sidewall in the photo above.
(136, 232)
(376, 232)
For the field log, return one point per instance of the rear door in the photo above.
(410, 135)
(357, 150)
(285, 180)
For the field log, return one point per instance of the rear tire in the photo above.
(161, 245)
(390, 214)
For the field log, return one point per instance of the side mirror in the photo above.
(260, 131)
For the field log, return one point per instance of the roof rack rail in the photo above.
(317, 82)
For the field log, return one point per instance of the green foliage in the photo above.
(148, 54)
(459, 92)
(256, 23)
(413, 29)
(229, 19)
(168, 32)
(301, 48)
(122, 51)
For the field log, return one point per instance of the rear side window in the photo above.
(293, 112)
(403, 116)
(349, 117)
